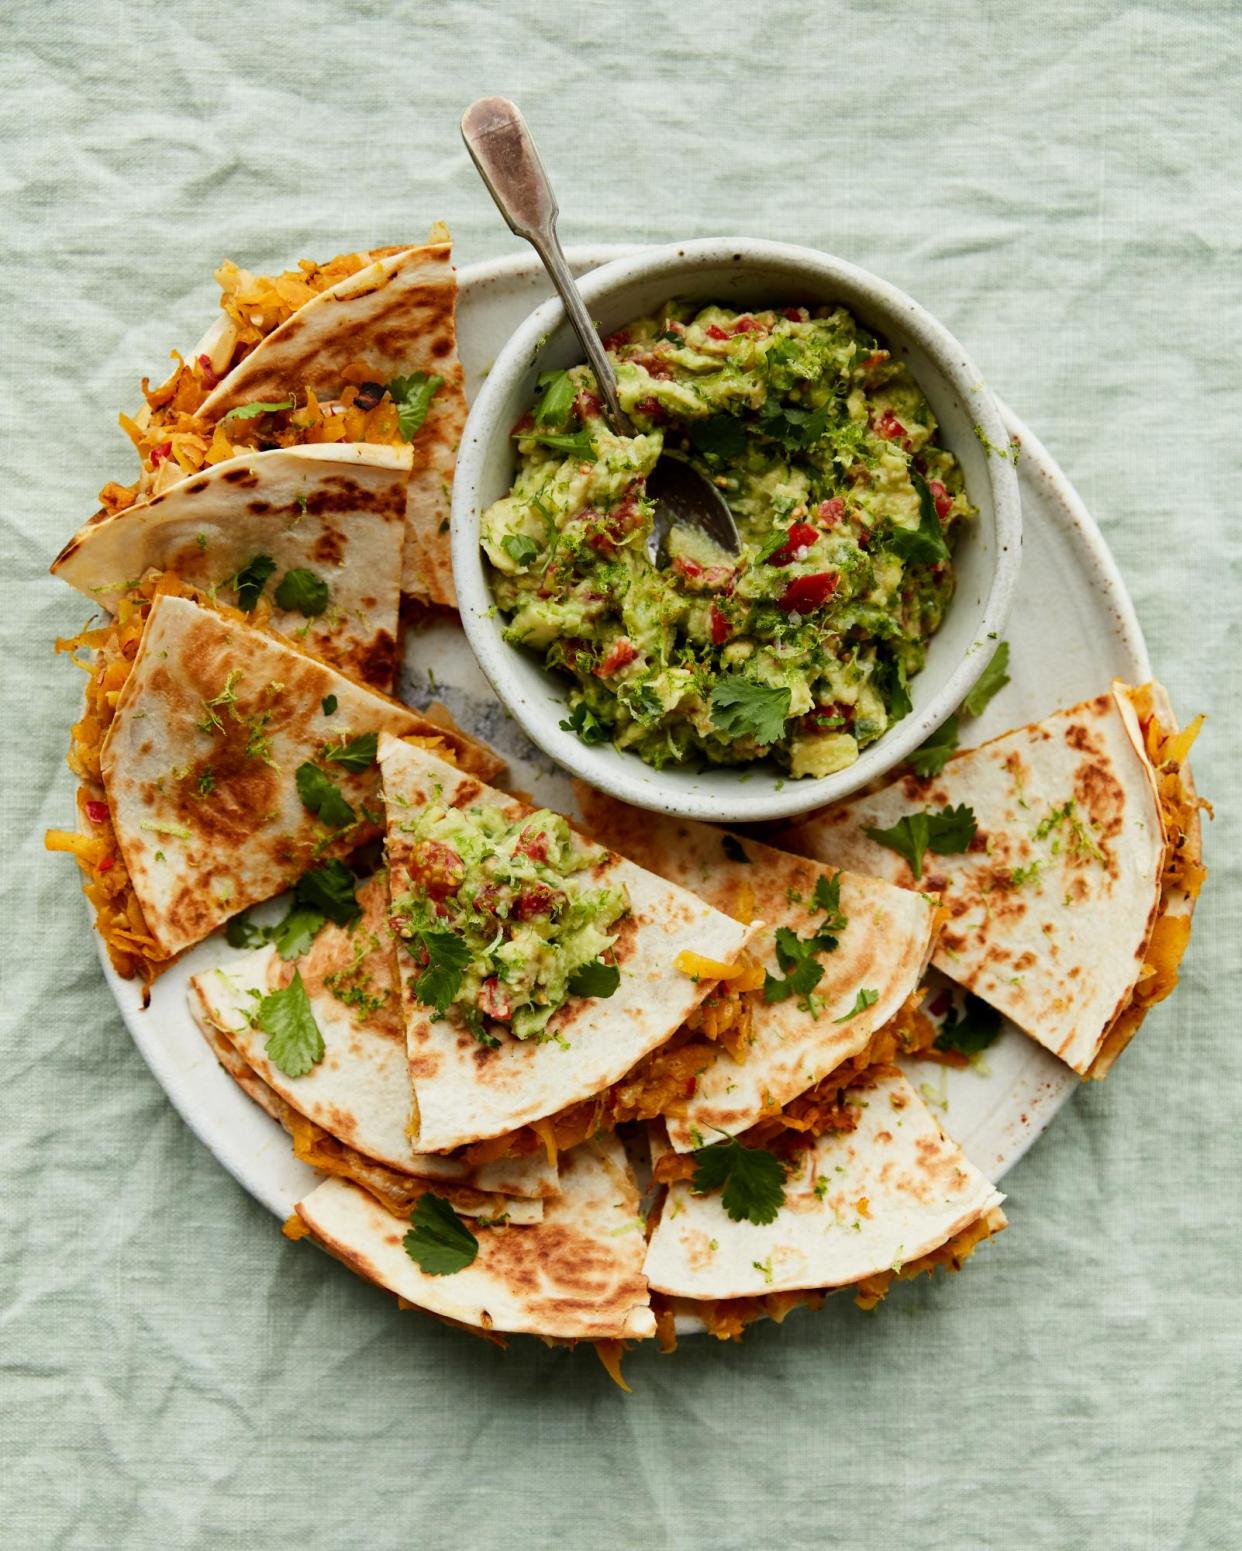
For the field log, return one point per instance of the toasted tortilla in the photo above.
(465, 1092)
(884, 948)
(210, 821)
(397, 316)
(397, 1191)
(336, 509)
(1052, 918)
(577, 1275)
(891, 1191)
(360, 1092)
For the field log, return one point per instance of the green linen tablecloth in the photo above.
(1060, 184)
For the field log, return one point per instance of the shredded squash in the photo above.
(660, 1084)
(727, 1318)
(610, 1354)
(118, 915)
(173, 440)
(1181, 879)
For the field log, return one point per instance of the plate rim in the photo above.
(1075, 516)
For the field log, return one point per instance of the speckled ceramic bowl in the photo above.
(743, 272)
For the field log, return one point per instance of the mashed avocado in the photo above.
(801, 649)
(503, 920)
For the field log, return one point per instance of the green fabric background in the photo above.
(1060, 184)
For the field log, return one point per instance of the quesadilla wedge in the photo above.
(319, 1149)
(536, 967)
(362, 349)
(885, 1196)
(575, 1276)
(342, 1089)
(852, 951)
(1071, 909)
(196, 726)
(319, 526)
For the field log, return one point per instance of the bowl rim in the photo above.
(624, 775)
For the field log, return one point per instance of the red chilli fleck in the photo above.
(805, 594)
(721, 628)
(891, 429)
(106, 863)
(158, 454)
(621, 652)
(801, 536)
(97, 811)
(208, 371)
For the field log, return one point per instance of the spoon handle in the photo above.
(504, 152)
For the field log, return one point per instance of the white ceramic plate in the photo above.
(1072, 629)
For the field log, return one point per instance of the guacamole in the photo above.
(802, 648)
(503, 920)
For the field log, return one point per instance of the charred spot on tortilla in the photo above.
(329, 548)
(1085, 826)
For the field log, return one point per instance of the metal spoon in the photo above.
(504, 152)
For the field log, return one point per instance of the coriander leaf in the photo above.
(329, 704)
(330, 890)
(519, 548)
(580, 445)
(827, 898)
(865, 998)
(293, 936)
(909, 837)
(796, 956)
(930, 758)
(796, 429)
(558, 398)
(924, 545)
(586, 724)
(413, 395)
(302, 592)
(439, 1243)
(971, 1031)
(323, 796)
(354, 753)
(252, 411)
(595, 979)
(294, 1043)
(777, 539)
(439, 981)
(894, 686)
(951, 830)
(241, 932)
(733, 848)
(753, 1180)
(251, 580)
(473, 1019)
(719, 436)
(991, 681)
(744, 708)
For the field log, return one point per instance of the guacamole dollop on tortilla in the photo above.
(801, 649)
(504, 918)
